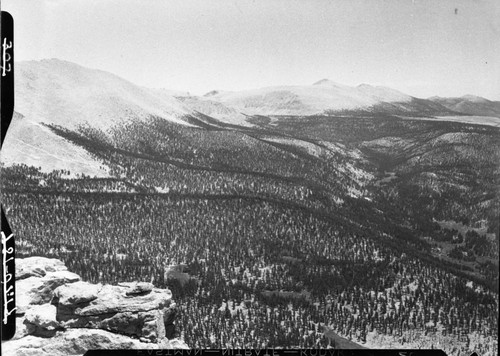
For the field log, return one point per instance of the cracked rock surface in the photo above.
(59, 314)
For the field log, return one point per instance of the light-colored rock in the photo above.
(113, 308)
(40, 290)
(43, 315)
(36, 280)
(113, 299)
(138, 288)
(76, 293)
(40, 320)
(78, 341)
(62, 315)
(30, 264)
(174, 344)
(25, 273)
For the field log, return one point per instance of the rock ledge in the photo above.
(58, 314)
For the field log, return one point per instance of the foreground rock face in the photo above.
(36, 280)
(78, 341)
(58, 314)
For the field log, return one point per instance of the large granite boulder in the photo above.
(58, 314)
(134, 309)
(41, 320)
(37, 267)
(36, 280)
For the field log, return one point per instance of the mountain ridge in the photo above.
(62, 93)
(322, 97)
(470, 105)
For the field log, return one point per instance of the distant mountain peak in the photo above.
(54, 91)
(470, 105)
(328, 82)
(474, 98)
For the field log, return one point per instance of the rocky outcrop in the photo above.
(58, 314)
(78, 341)
(36, 280)
(178, 273)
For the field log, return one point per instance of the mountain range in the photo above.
(324, 98)
(471, 105)
(56, 92)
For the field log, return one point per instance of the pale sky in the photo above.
(421, 47)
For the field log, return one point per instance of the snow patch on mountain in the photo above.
(318, 98)
(31, 143)
(66, 94)
(383, 94)
(474, 98)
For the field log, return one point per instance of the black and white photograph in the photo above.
(261, 174)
